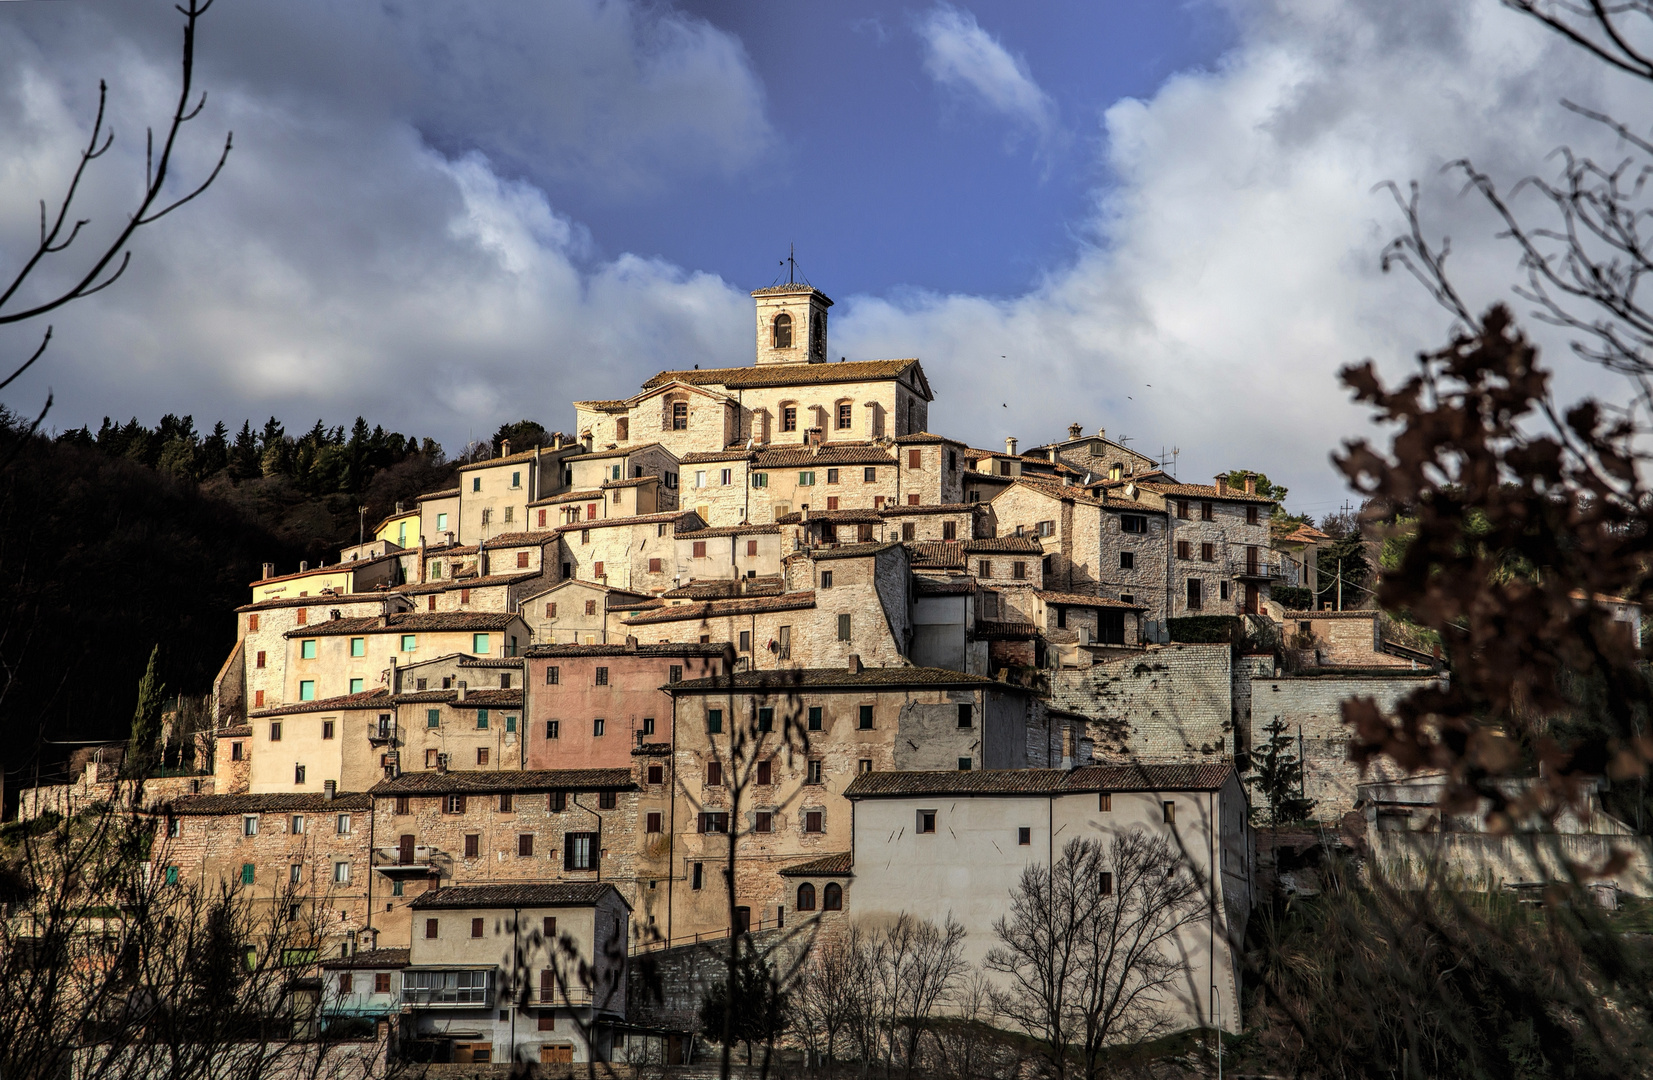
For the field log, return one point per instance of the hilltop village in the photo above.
(764, 606)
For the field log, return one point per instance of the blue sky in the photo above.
(1162, 219)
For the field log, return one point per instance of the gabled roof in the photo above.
(1203, 491)
(934, 508)
(286, 802)
(605, 405)
(1136, 777)
(514, 459)
(798, 374)
(838, 865)
(662, 650)
(796, 288)
(592, 494)
(724, 588)
(713, 456)
(926, 438)
(836, 517)
(935, 554)
(613, 591)
(449, 584)
(449, 493)
(548, 894)
(618, 451)
(494, 782)
(713, 609)
(1081, 600)
(367, 959)
(407, 622)
(330, 600)
(784, 679)
(1003, 545)
(378, 698)
(845, 551)
(727, 530)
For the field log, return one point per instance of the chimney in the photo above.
(481, 560)
(390, 678)
(269, 571)
(462, 689)
(505, 448)
(1251, 483)
(303, 566)
(1222, 484)
(854, 664)
(329, 789)
(1101, 433)
(803, 512)
(556, 441)
(1075, 431)
(421, 558)
(1010, 445)
(631, 643)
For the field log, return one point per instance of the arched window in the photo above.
(832, 897)
(783, 331)
(806, 897)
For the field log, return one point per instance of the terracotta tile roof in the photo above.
(406, 622)
(935, 554)
(314, 571)
(447, 494)
(609, 405)
(487, 783)
(712, 609)
(1362, 613)
(992, 630)
(728, 530)
(1081, 600)
(474, 699)
(704, 457)
(724, 588)
(934, 508)
(846, 551)
(368, 958)
(1137, 777)
(1307, 534)
(330, 600)
(661, 650)
(239, 731)
(841, 678)
(805, 457)
(1003, 545)
(525, 455)
(924, 586)
(925, 438)
(668, 517)
(512, 662)
(627, 601)
(791, 290)
(591, 495)
(837, 517)
(838, 865)
(449, 584)
(368, 699)
(788, 374)
(547, 894)
(618, 451)
(636, 481)
(1202, 491)
(285, 802)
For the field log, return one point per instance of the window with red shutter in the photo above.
(542, 519)
(751, 547)
(915, 459)
(522, 559)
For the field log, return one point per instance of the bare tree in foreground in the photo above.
(103, 265)
(1089, 946)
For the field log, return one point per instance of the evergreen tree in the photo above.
(760, 1006)
(143, 751)
(1278, 779)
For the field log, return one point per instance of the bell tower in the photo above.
(791, 324)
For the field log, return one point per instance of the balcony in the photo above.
(410, 860)
(383, 732)
(448, 988)
(1262, 568)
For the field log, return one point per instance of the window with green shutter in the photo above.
(246, 873)
(409, 641)
(358, 646)
(482, 719)
(355, 686)
(714, 720)
(815, 718)
(433, 717)
(307, 649)
(172, 875)
(510, 724)
(479, 643)
(307, 690)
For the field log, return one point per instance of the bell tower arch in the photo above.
(791, 324)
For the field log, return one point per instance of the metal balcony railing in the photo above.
(383, 731)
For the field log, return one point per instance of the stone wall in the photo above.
(1171, 702)
(1313, 706)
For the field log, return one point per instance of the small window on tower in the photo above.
(783, 331)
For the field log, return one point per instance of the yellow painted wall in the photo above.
(311, 584)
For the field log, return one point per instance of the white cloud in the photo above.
(967, 60)
(1235, 261)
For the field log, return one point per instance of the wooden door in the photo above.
(559, 1054)
(404, 853)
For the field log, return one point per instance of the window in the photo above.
(832, 897)
(826, 579)
(1024, 836)
(766, 719)
(814, 773)
(525, 845)
(652, 822)
(246, 873)
(1104, 885)
(307, 690)
(302, 615)
(441, 525)
(1018, 570)
(341, 873)
(237, 752)
(674, 673)
(481, 756)
(846, 415)
(700, 549)
(783, 643)
(926, 821)
(433, 718)
(815, 718)
(1251, 515)
(760, 480)
(866, 718)
(454, 804)
(431, 756)
(260, 661)
(1182, 509)
(843, 628)
(832, 478)
(765, 772)
(915, 459)
(342, 825)
(726, 477)
(806, 897)
(745, 642)
(1194, 597)
(476, 483)
(1222, 590)
(1208, 552)
(864, 765)
(598, 727)
(657, 774)
(1127, 560)
(984, 568)
(597, 569)
(307, 649)
(763, 821)
(789, 418)
(782, 331)
(275, 731)
(249, 825)
(430, 932)
(806, 479)
(607, 800)
(1133, 523)
(482, 719)
(964, 764)
(476, 927)
(402, 805)
(966, 718)
(714, 774)
(381, 982)
(356, 687)
(949, 530)
(558, 801)
(552, 729)
(1170, 809)
(909, 531)
(1061, 618)
(1206, 513)
(869, 475)
(696, 876)
(713, 822)
(295, 873)
(409, 642)
(654, 566)
(1184, 550)
(591, 607)
(814, 821)
(714, 721)
(252, 624)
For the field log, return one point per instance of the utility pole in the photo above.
(361, 525)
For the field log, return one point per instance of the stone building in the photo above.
(583, 612)
(638, 554)
(1096, 455)
(1220, 545)
(750, 623)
